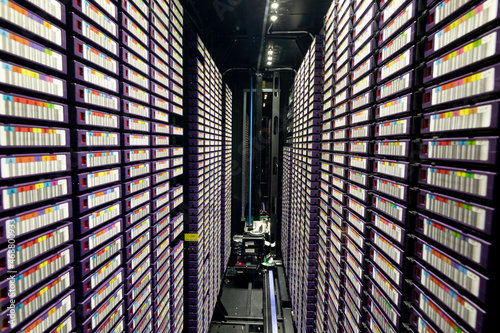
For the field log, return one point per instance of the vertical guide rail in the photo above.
(250, 148)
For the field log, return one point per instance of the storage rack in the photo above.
(227, 178)
(205, 186)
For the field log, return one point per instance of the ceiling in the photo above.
(233, 30)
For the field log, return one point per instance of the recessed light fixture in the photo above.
(275, 5)
(270, 58)
(269, 63)
(274, 18)
(270, 52)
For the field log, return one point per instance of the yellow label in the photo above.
(191, 237)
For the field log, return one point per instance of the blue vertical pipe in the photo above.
(250, 146)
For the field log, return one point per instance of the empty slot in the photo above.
(424, 149)
(431, 18)
(430, 44)
(86, 245)
(85, 203)
(423, 175)
(428, 72)
(419, 248)
(87, 267)
(79, 24)
(84, 181)
(422, 199)
(427, 97)
(80, 71)
(80, 93)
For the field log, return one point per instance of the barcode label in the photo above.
(363, 37)
(340, 85)
(452, 269)
(135, 30)
(136, 62)
(41, 271)
(362, 69)
(106, 290)
(139, 228)
(396, 44)
(136, 78)
(338, 98)
(137, 109)
(99, 178)
(135, 46)
(100, 138)
(446, 8)
(350, 322)
(388, 227)
(111, 321)
(17, 106)
(52, 7)
(101, 158)
(138, 140)
(161, 103)
(107, 5)
(139, 257)
(384, 304)
(391, 148)
(138, 185)
(105, 309)
(467, 150)
(337, 182)
(358, 162)
(143, 6)
(162, 64)
(104, 234)
(361, 85)
(356, 222)
(391, 168)
(50, 316)
(353, 279)
(394, 210)
(136, 93)
(25, 19)
(339, 171)
(471, 53)
(357, 192)
(98, 58)
(162, 189)
(360, 24)
(387, 267)
(339, 159)
(139, 199)
(18, 136)
(97, 118)
(343, 58)
(24, 78)
(66, 326)
(356, 238)
(404, 16)
(139, 214)
(97, 16)
(161, 140)
(339, 146)
(160, 116)
(98, 37)
(41, 297)
(24, 48)
(359, 147)
(362, 54)
(105, 271)
(467, 86)
(450, 297)
(356, 207)
(137, 124)
(359, 132)
(343, 46)
(472, 20)
(341, 72)
(34, 220)
(385, 285)
(395, 65)
(33, 192)
(160, 78)
(394, 86)
(38, 246)
(393, 107)
(105, 253)
(357, 177)
(463, 181)
(97, 199)
(25, 165)
(468, 118)
(136, 15)
(103, 215)
(390, 188)
(441, 318)
(343, 33)
(386, 246)
(453, 239)
(360, 101)
(393, 127)
(141, 285)
(139, 170)
(138, 155)
(98, 98)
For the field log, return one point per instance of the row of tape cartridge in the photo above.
(203, 242)
(37, 279)
(405, 251)
(226, 178)
(94, 90)
(302, 225)
(457, 169)
(287, 256)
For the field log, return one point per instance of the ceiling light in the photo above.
(270, 58)
(274, 18)
(264, 105)
(270, 52)
(269, 63)
(275, 5)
